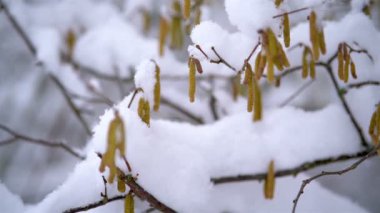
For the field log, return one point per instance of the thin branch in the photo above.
(71, 104)
(137, 90)
(18, 28)
(296, 93)
(362, 84)
(290, 172)
(54, 144)
(140, 192)
(181, 110)
(221, 60)
(345, 104)
(291, 12)
(329, 173)
(101, 202)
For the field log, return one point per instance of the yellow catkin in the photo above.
(176, 33)
(372, 124)
(322, 43)
(258, 105)
(235, 87)
(140, 108)
(270, 70)
(157, 90)
(116, 140)
(305, 67)
(186, 8)
(345, 51)
(286, 30)
(282, 56)
(257, 65)
(277, 82)
(263, 63)
(146, 117)
(272, 45)
(378, 119)
(120, 183)
(70, 43)
(192, 78)
(147, 21)
(269, 184)
(353, 70)
(346, 70)
(143, 111)
(312, 69)
(129, 204)
(164, 30)
(249, 82)
(278, 2)
(198, 65)
(247, 73)
(340, 62)
(198, 16)
(314, 34)
(367, 10)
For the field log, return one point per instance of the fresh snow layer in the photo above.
(175, 161)
(9, 203)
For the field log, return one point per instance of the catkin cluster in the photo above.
(317, 37)
(274, 54)
(345, 63)
(116, 141)
(254, 102)
(181, 20)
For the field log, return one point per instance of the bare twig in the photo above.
(291, 12)
(140, 192)
(54, 144)
(364, 83)
(345, 104)
(18, 28)
(221, 60)
(292, 171)
(95, 204)
(71, 104)
(329, 173)
(181, 110)
(296, 93)
(105, 194)
(137, 90)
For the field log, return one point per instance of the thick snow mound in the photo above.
(175, 161)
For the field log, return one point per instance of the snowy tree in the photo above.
(189, 105)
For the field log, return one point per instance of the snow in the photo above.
(145, 78)
(251, 16)
(182, 158)
(10, 203)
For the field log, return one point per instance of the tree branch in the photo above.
(292, 171)
(329, 173)
(361, 84)
(94, 205)
(140, 192)
(17, 136)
